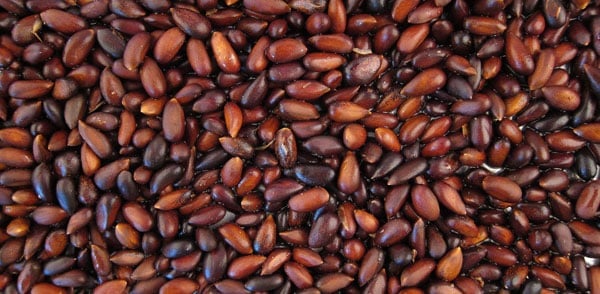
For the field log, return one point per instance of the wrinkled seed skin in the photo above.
(362, 70)
(265, 236)
(484, 25)
(285, 148)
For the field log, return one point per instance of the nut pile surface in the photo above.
(301, 146)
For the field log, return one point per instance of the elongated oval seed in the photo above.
(173, 121)
(561, 97)
(425, 203)
(227, 59)
(30, 89)
(484, 25)
(168, 45)
(192, 23)
(236, 238)
(588, 203)
(449, 197)
(502, 188)
(96, 140)
(392, 232)
(78, 47)
(349, 174)
(275, 7)
(346, 111)
(333, 282)
(244, 266)
(136, 49)
(306, 89)
(198, 57)
(62, 21)
(416, 273)
(285, 147)
(543, 70)
(286, 50)
(449, 266)
(152, 78)
(111, 87)
(518, 55)
(323, 230)
(590, 132)
(309, 200)
(426, 82)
